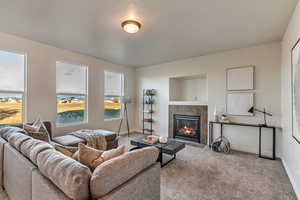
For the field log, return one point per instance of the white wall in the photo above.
(41, 82)
(266, 59)
(291, 149)
(188, 89)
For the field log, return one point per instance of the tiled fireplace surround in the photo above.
(193, 110)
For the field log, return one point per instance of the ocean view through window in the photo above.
(71, 89)
(113, 91)
(12, 87)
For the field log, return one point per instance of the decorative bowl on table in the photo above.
(152, 139)
(163, 139)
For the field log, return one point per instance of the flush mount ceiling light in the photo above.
(131, 26)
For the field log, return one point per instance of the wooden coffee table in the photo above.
(170, 148)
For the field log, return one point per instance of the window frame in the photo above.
(121, 96)
(24, 92)
(86, 96)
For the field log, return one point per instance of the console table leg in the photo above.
(259, 141)
(211, 133)
(161, 158)
(274, 143)
(221, 130)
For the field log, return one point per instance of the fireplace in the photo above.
(187, 127)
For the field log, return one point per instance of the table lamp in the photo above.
(252, 110)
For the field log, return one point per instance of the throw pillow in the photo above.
(89, 156)
(38, 130)
(108, 155)
(72, 152)
(92, 157)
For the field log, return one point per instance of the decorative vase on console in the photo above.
(224, 118)
(216, 118)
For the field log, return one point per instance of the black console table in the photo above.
(260, 127)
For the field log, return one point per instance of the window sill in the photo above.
(112, 119)
(71, 124)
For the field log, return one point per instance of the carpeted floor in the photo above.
(3, 195)
(200, 174)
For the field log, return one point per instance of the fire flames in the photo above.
(186, 130)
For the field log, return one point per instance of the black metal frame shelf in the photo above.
(148, 101)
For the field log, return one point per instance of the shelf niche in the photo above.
(189, 89)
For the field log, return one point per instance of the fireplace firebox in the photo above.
(187, 127)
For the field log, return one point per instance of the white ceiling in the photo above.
(171, 29)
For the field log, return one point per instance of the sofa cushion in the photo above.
(115, 172)
(38, 148)
(110, 154)
(89, 156)
(5, 132)
(92, 157)
(28, 145)
(68, 140)
(16, 139)
(67, 174)
(72, 152)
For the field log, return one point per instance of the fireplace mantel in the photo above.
(194, 110)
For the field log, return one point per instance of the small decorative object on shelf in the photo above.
(148, 102)
(148, 120)
(150, 92)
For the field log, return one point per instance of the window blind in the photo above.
(12, 68)
(113, 84)
(71, 79)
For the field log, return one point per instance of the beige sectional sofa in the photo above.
(33, 170)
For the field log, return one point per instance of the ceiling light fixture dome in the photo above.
(131, 26)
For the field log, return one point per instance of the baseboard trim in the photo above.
(292, 180)
(123, 133)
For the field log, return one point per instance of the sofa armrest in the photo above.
(145, 185)
(116, 172)
(44, 189)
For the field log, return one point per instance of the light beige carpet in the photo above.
(3, 195)
(200, 174)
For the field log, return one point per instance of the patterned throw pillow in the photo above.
(92, 157)
(38, 131)
(72, 152)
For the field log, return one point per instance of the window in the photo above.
(113, 91)
(12, 87)
(71, 91)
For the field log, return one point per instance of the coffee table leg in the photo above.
(161, 158)
(164, 164)
(134, 148)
